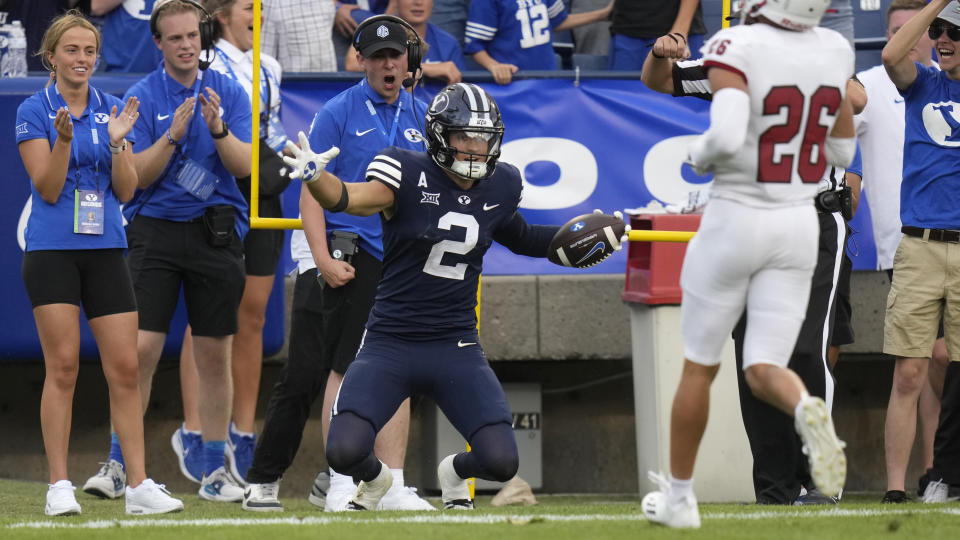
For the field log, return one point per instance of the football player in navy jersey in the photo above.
(440, 210)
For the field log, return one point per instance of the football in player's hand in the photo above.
(587, 240)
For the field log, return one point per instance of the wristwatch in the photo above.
(222, 134)
(118, 149)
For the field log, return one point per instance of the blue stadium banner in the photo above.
(605, 144)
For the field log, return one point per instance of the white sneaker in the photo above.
(368, 494)
(939, 492)
(682, 514)
(454, 490)
(109, 481)
(339, 495)
(403, 498)
(220, 486)
(318, 493)
(828, 464)
(262, 498)
(151, 498)
(60, 499)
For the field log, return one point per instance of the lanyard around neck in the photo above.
(263, 81)
(95, 139)
(396, 120)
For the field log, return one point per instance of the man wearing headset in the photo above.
(187, 220)
(339, 258)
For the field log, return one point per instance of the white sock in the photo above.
(803, 399)
(235, 431)
(397, 478)
(188, 431)
(679, 489)
(339, 479)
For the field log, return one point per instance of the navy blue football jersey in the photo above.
(435, 239)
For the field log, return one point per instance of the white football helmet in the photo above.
(791, 14)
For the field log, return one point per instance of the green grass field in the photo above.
(556, 517)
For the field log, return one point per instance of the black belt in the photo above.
(938, 235)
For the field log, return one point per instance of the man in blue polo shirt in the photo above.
(346, 252)
(188, 218)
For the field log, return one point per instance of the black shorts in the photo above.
(165, 255)
(345, 311)
(261, 251)
(842, 333)
(96, 279)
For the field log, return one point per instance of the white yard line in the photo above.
(447, 518)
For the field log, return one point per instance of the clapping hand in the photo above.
(307, 165)
(120, 125)
(210, 109)
(63, 125)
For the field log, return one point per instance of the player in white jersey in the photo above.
(778, 119)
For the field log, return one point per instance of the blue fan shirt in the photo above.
(930, 192)
(515, 32)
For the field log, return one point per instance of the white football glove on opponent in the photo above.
(307, 166)
(626, 228)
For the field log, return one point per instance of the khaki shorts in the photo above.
(926, 285)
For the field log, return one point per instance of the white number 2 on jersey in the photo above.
(534, 25)
(433, 265)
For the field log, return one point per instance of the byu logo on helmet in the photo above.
(439, 104)
(577, 226)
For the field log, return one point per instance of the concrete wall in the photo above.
(571, 334)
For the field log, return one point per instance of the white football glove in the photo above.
(307, 165)
(626, 228)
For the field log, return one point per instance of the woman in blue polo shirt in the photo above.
(74, 147)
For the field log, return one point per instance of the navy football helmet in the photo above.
(467, 108)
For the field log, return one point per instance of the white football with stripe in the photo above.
(586, 240)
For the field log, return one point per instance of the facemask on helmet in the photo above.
(464, 121)
(791, 14)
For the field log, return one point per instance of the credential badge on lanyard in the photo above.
(87, 203)
(193, 177)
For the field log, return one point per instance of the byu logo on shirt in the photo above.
(101, 118)
(413, 135)
(463, 199)
(942, 122)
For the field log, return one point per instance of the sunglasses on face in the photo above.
(936, 30)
